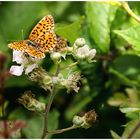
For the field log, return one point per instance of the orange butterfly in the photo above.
(41, 39)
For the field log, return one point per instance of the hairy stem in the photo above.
(62, 130)
(48, 106)
(134, 130)
(47, 110)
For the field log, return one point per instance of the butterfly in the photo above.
(41, 39)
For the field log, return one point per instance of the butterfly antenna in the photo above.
(22, 34)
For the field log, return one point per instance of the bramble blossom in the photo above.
(25, 63)
(82, 51)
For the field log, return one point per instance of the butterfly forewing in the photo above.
(44, 26)
(43, 34)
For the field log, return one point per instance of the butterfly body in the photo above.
(41, 39)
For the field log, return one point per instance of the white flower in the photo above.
(27, 63)
(85, 53)
(82, 52)
(30, 68)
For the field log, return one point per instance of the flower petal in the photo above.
(16, 70)
(92, 54)
(17, 56)
(30, 68)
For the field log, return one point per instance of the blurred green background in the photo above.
(105, 82)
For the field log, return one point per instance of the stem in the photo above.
(57, 70)
(134, 130)
(129, 11)
(69, 66)
(62, 130)
(47, 109)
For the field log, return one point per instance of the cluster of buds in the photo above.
(85, 121)
(82, 51)
(46, 81)
(29, 102)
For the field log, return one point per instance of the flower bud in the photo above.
(91, 55)
(57, 79)
(80, 42)
(69, 49)
(40, 76)
(77, 121)
(28, 101)
(71, 83)
(90, 117)
(56, 57)
(82, 53)
(85, 121)
(47, 80)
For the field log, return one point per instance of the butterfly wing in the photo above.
(19, 46)
(43, 34)
(34, 52)
(46, 24)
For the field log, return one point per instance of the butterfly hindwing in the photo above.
(35, 52)
(19, 46)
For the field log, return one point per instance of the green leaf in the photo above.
(123, 79)
(21, 114)
(34, 127)
(126, 68)
(60, 8)
(36, 124)
(71, 32)
(129, 109)
(132, 36)
(132, 126)
(114, 135)
(118, 99)
(100, 17)
(53, 120)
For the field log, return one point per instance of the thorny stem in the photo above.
(47, 109)
(129, 11)
(62, 130)
(134, 130)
